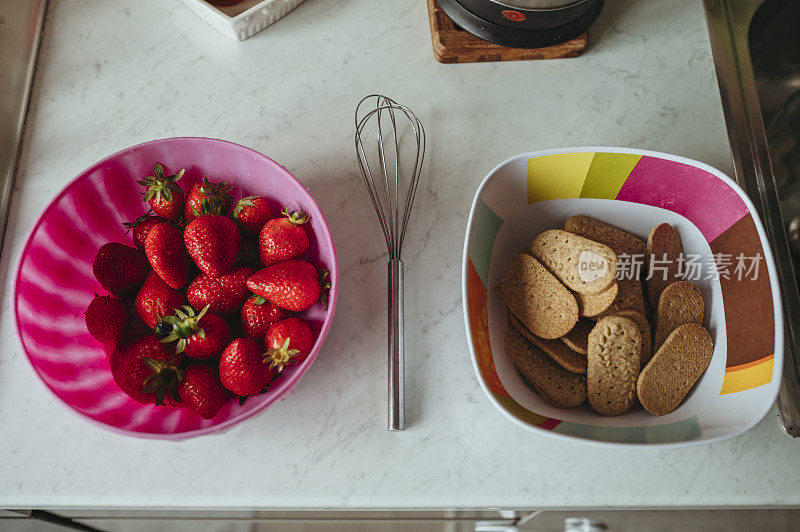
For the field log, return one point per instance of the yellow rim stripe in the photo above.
(557, 176)
(747, 376)
(607, 174)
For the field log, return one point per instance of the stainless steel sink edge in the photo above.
(728, 24)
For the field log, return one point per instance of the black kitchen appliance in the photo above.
(523, 23)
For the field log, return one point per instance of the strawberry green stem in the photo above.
(185, 324)
(296, 217)
(278, 356)
(164, 380)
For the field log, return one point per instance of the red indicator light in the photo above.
(515, 16)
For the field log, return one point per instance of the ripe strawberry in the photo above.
(242, 369)
(207, 198)
(293, 285)
(288, 340)
(283, 239)
(257, 315)
(107, 319)
(251, 213)
(145, 370)
(141, 226)
(201, 336)
(163, 194)
(224, 294)
(157, 299)
(212, 241)
(120, 269)
(164, 249)
(202, 391)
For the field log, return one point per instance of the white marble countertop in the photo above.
(112, 74)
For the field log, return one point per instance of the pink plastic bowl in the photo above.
(54, 282)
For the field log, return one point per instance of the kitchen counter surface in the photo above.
(113, 74)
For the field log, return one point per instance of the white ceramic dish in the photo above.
(242, 21)
(634, 190)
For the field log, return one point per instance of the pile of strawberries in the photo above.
(201, 310)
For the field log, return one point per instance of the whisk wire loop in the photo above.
(384, 182)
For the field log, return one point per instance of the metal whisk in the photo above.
(392, 195)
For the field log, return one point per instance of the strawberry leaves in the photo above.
(325, 285)
(279, 356)
(164, 380)
(184, 324)
(137, 221)
(215, 200)
(242, 204)
(296, 217)
(160, 186)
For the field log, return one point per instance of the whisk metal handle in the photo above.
(396, 385)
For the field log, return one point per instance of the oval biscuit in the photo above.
(590, 305)
(614, 361)
(578, 338)
(582, 265)
(554, 384)
(680, 303)
(644, 330)
(558, 351)
(621, 242)
(537, 298)
(673, 370)
(664, 246)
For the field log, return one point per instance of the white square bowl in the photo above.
(634, 190)
(243, 20)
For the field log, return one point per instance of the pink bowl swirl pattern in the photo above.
(54, 280)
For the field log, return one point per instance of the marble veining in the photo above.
(109, 77)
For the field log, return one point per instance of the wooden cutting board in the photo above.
(454, 45)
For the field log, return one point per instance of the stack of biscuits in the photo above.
(579, 332)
